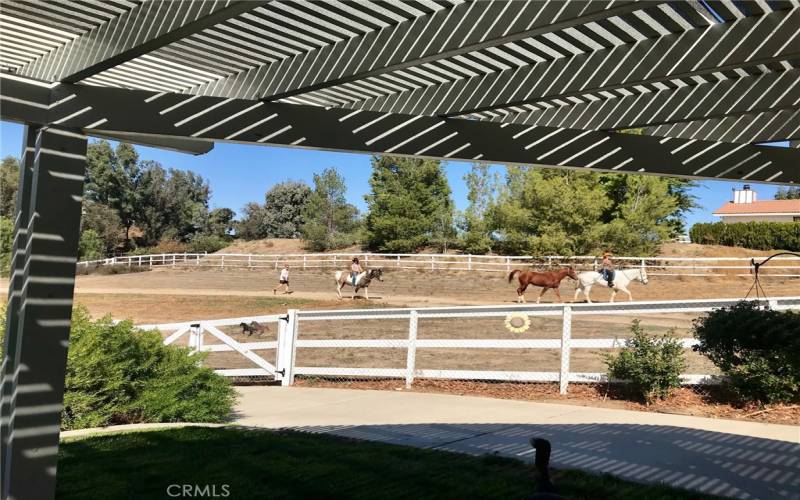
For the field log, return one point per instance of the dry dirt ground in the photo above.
(167, 295)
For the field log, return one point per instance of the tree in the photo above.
(113, 178)
(91, 246)
(783, 193)
(481, 192)
(252, 225)
(284, 205)
(104, 222)
(221, 222)
(9, 178)
(330, 222)
(409, 205)
(551, 211)
(174, 203)
(281, 216)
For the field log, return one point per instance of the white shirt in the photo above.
(284, 274)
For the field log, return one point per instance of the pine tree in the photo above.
(330, 222)
(409, 205)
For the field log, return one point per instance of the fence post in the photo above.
(249, 261)
(304, 262)
(173, 261)
(398, 261)
(366, 260)
(291, 348)
(282, 351)
(199, 338)
(151, 261)
(469, 262)
(642, 267)
(194, 337)
(222, 262)
(334, 261)
(433, 262)
(412, 349)
(508, 263)
(566, 334)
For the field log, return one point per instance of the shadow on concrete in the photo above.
(711, 462)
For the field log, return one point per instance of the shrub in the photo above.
(755, 235)
(757, 349)
(119, 374)
(6, 242)
(167, 245)
(91, 246)
(83, 270)
(209, 243)
(651, 365)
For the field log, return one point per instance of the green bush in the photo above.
(6, 242)
(651, 365)
(209, 243)
(755, 235)
(91, 246)
(118, 374)
(757, 349)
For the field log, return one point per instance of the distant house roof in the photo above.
(782, 207)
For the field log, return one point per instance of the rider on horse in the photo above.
(355, 270)
(607, 269)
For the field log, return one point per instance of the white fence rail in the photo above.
(785, 266)
(290, 337)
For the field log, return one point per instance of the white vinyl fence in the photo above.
(785, 266)
(290, 336)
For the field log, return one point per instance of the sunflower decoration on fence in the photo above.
(517, 322)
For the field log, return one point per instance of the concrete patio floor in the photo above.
(721, 457)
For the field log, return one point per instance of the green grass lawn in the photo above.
(282, 465)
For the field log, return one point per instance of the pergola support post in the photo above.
(16, 271)
(35, 354)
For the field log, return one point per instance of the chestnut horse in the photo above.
(546, 280)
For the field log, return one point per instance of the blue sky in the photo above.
(239, 174)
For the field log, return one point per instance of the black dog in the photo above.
(252, 328)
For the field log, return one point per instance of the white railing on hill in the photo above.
(785, 266)
(290, 337)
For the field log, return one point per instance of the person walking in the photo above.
(283, 281)
(355, 270)
(607, 269)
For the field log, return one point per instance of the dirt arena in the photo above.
(169, 295)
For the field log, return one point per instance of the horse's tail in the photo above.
(512, 273)
(338, 276)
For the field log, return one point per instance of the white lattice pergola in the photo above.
(548, 83)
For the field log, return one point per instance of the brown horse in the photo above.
(546, 280)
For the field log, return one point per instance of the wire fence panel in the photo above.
(503, 343)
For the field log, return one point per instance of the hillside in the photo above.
(283, 246)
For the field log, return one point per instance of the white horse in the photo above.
(362, 281)
(621, 280)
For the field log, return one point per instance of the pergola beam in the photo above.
(746, 95)
(446, 33)
(108, 110)
(141, 30)
(770, 126)
(747, 42)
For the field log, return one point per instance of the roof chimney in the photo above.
(744, 195)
